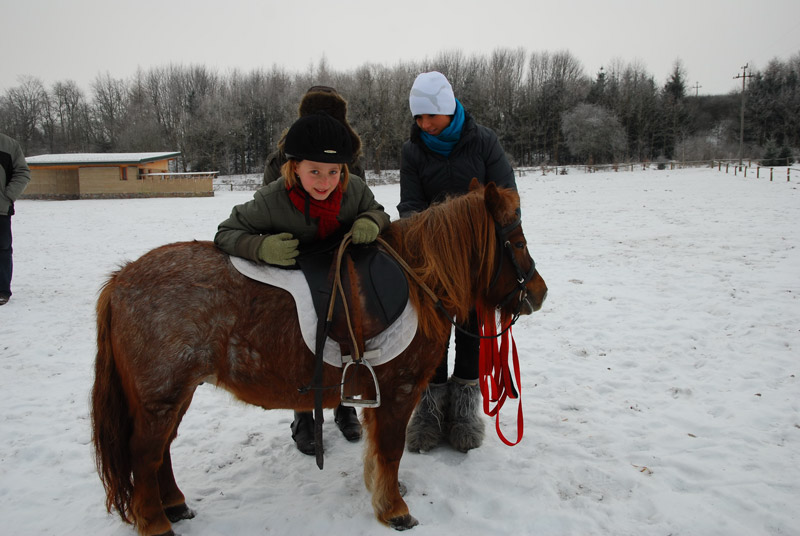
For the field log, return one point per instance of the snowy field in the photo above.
(660, 383)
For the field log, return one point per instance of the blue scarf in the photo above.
(444, 142)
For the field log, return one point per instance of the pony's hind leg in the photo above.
(151, 467)
(385, 442)
(172, 499)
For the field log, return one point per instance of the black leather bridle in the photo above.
(523, 277)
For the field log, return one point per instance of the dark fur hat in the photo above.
(326, 99)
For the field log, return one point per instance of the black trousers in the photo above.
(467, 358)
(6, 264)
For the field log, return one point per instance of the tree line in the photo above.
(543, 106)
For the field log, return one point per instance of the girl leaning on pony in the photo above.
(315, 196)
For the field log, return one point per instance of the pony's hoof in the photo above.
(178, 512)
(403, 522)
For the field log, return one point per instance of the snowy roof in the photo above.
(97, 158)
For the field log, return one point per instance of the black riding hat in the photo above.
(320, 138)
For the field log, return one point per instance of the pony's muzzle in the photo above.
(534, 297)
(535, 306)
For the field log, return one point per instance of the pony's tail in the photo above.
(111, 422)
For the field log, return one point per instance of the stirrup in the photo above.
(355, 401)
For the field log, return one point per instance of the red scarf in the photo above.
(325, 210)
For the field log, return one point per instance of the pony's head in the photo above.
(470, 250)
(515, 287)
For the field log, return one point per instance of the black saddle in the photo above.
(367, 272)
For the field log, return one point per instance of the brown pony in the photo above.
(182, 315)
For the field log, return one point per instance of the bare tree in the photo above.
(71, 109)
(109, 108)
(593, 134)
(26, 105)
(555, 83)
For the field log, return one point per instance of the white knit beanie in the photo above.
(432, 94)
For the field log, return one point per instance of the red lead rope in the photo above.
(495, 375)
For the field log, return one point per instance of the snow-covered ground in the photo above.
(660, 384)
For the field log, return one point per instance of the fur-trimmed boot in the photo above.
(427, 426)
(466, 427)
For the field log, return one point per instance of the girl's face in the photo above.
(318, 178)
(432, 124)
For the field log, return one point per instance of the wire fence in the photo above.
(755, 170)
(748, 168)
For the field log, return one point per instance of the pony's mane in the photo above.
(451, 246)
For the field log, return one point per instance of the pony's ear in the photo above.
(474, 184)
(493, 200)
(503, 204)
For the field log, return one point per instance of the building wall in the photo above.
(52, 183)
(100, 182)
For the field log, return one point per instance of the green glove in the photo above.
(365, 231)
(279, 249)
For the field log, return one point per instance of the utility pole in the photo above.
(696, 87)
(744, 76)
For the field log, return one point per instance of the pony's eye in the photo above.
(519, 245)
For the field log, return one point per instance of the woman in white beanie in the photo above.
(447, 148)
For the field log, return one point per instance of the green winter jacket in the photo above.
(14, 174)
(271, 211)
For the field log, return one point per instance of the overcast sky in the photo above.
(58, 40)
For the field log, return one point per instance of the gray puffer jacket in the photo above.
(14, 174)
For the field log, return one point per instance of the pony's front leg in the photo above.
(386, 437)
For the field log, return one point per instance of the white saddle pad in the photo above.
(378, 350)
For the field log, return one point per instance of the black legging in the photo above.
(467, 354)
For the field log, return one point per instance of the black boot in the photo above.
(347, 420)
(303, 432)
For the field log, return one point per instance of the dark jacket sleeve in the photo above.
(16, 175)
(249, 223)
(412, 195)
(498, 169)
(272, 167)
